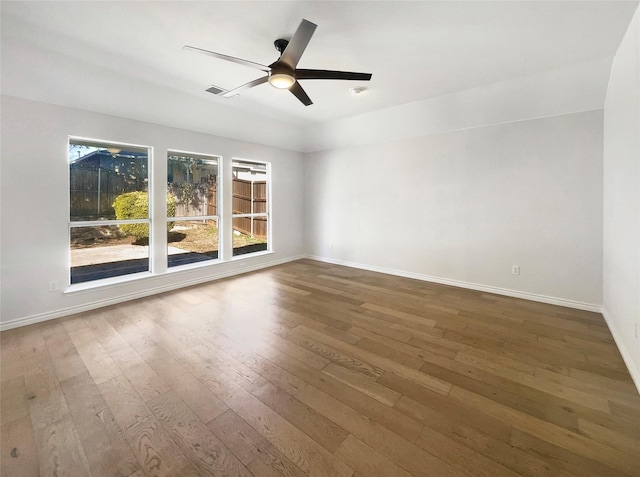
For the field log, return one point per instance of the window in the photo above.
(192, 208)
(109, 218)
(111, 199)
(250, 207)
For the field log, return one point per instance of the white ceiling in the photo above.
(54, 51)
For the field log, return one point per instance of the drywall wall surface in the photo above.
(466, 206)
(621, 274)
(34, 204)
(575, 88)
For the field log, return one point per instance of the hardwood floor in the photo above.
(321, 370)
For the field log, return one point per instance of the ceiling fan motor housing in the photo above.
(281, 45)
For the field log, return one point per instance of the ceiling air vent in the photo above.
(215, 90)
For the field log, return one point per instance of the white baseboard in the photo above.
(471, 286)
(153, 290)
(626, 354)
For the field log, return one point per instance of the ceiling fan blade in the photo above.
(331, 75)
(292, 53)
(250, 84)
(300, 93)
(233, 59)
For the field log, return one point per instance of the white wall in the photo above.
(34, 204)
(621, 274)
(462, 207)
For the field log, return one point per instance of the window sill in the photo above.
(192, 266)
(95, 285)
(106, 282)
(250, 255)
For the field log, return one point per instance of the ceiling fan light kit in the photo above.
(281, 80)
(283, 74)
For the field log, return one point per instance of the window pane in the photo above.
(192, 181)
(249, 170)
(250, 187)
(249, 235)
(108, 251)
(99, 174)
(191, 241)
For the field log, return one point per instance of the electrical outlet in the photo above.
(53, 286)
(515, 269)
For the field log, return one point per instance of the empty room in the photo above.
(320, 238)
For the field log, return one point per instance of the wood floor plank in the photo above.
(479, 440)
(459, 456)
(138, 473)
(11, 364)
(57, 443)
(435, 361)
(13, 400)
(562, 391)
(334, 355)
(390, 350)
(363, 383)
(488, 361)
(146, 381)
(553, 434)
(394, 447)
(604, 382)
(378, 361)
(628, 397)
(204, 403)
(366, 460)
(59, 449)
(195, 440)
(517, 396)
(277, 344)
(95, 358)
(415, 321)
(239, 350)
(293, 443)
(105, 447)
(63, 351)
(363, 403)
(152, 445)
(609, 437)
(308, 368)
(452, 408)
(240, 438)
(19, 455)
(253, 450)
(623, 411)
(576, 464)
(342, 335)
(106, 335)
(263, 367)
(315, 425)
(415, 352)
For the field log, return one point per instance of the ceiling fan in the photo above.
(283, 73)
